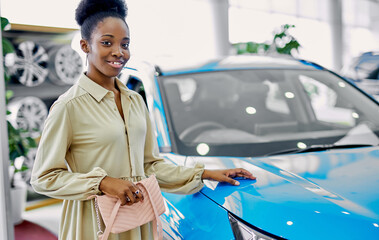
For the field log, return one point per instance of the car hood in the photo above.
(331, 194)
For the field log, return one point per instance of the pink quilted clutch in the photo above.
(119, 218)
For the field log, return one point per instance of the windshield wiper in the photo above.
(316, 148)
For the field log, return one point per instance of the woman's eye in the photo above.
(105, 43)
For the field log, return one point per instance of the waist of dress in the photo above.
(133, 179)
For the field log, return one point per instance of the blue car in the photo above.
(309, 136)
(365, 66)
(364, 71)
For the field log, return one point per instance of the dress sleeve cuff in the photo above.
(198, 170)
(177, 179)
(196, 184)
(99, 174)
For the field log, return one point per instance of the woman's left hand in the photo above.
(227, 175)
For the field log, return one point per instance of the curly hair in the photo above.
(90, 12)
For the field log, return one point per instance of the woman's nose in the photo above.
(117, 51)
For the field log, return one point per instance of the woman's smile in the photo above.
(116, 64)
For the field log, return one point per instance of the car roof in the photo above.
(245, 62)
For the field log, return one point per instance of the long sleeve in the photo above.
(50, 175)
(85, 139)
(171, 178)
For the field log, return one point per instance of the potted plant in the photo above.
(19, 144)
(282, 43)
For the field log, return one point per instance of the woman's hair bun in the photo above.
(88, 8)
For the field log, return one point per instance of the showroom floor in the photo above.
(47, 217)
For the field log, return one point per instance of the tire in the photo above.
(28, 113)
(65, 65)
(28, 162)
(28, 64)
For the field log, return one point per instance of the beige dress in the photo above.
(85, 139)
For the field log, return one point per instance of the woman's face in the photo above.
(108, 48)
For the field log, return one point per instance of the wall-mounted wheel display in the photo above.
(28, 162)
(41, 68)
(65, 65)
(28, 113)
(29, 64)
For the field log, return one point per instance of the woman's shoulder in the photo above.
(135, 96)
(68, 96)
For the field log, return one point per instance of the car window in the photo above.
(374, 74)
(365, 68)
(324, 103)
(261, 110)
(187, 88)
(275, 101)
(136, 84)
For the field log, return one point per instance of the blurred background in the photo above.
(330, 32)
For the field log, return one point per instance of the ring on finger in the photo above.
(136, 192)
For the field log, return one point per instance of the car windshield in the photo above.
(260, 111)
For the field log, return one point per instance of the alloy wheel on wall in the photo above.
(28, 161)
(65, 65)
(28, 113)
(29, 64)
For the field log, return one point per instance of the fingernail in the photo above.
(236, 183)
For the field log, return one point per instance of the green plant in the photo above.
(18, 139)
(282, 42)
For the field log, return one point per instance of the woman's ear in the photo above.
(84, 45)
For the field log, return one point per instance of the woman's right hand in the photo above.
(126, 191)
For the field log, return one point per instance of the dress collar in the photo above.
(97, 91)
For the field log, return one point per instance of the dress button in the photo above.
(115, 109)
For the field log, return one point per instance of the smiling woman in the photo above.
(98, 137)
(105, 40)
(107, 52)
